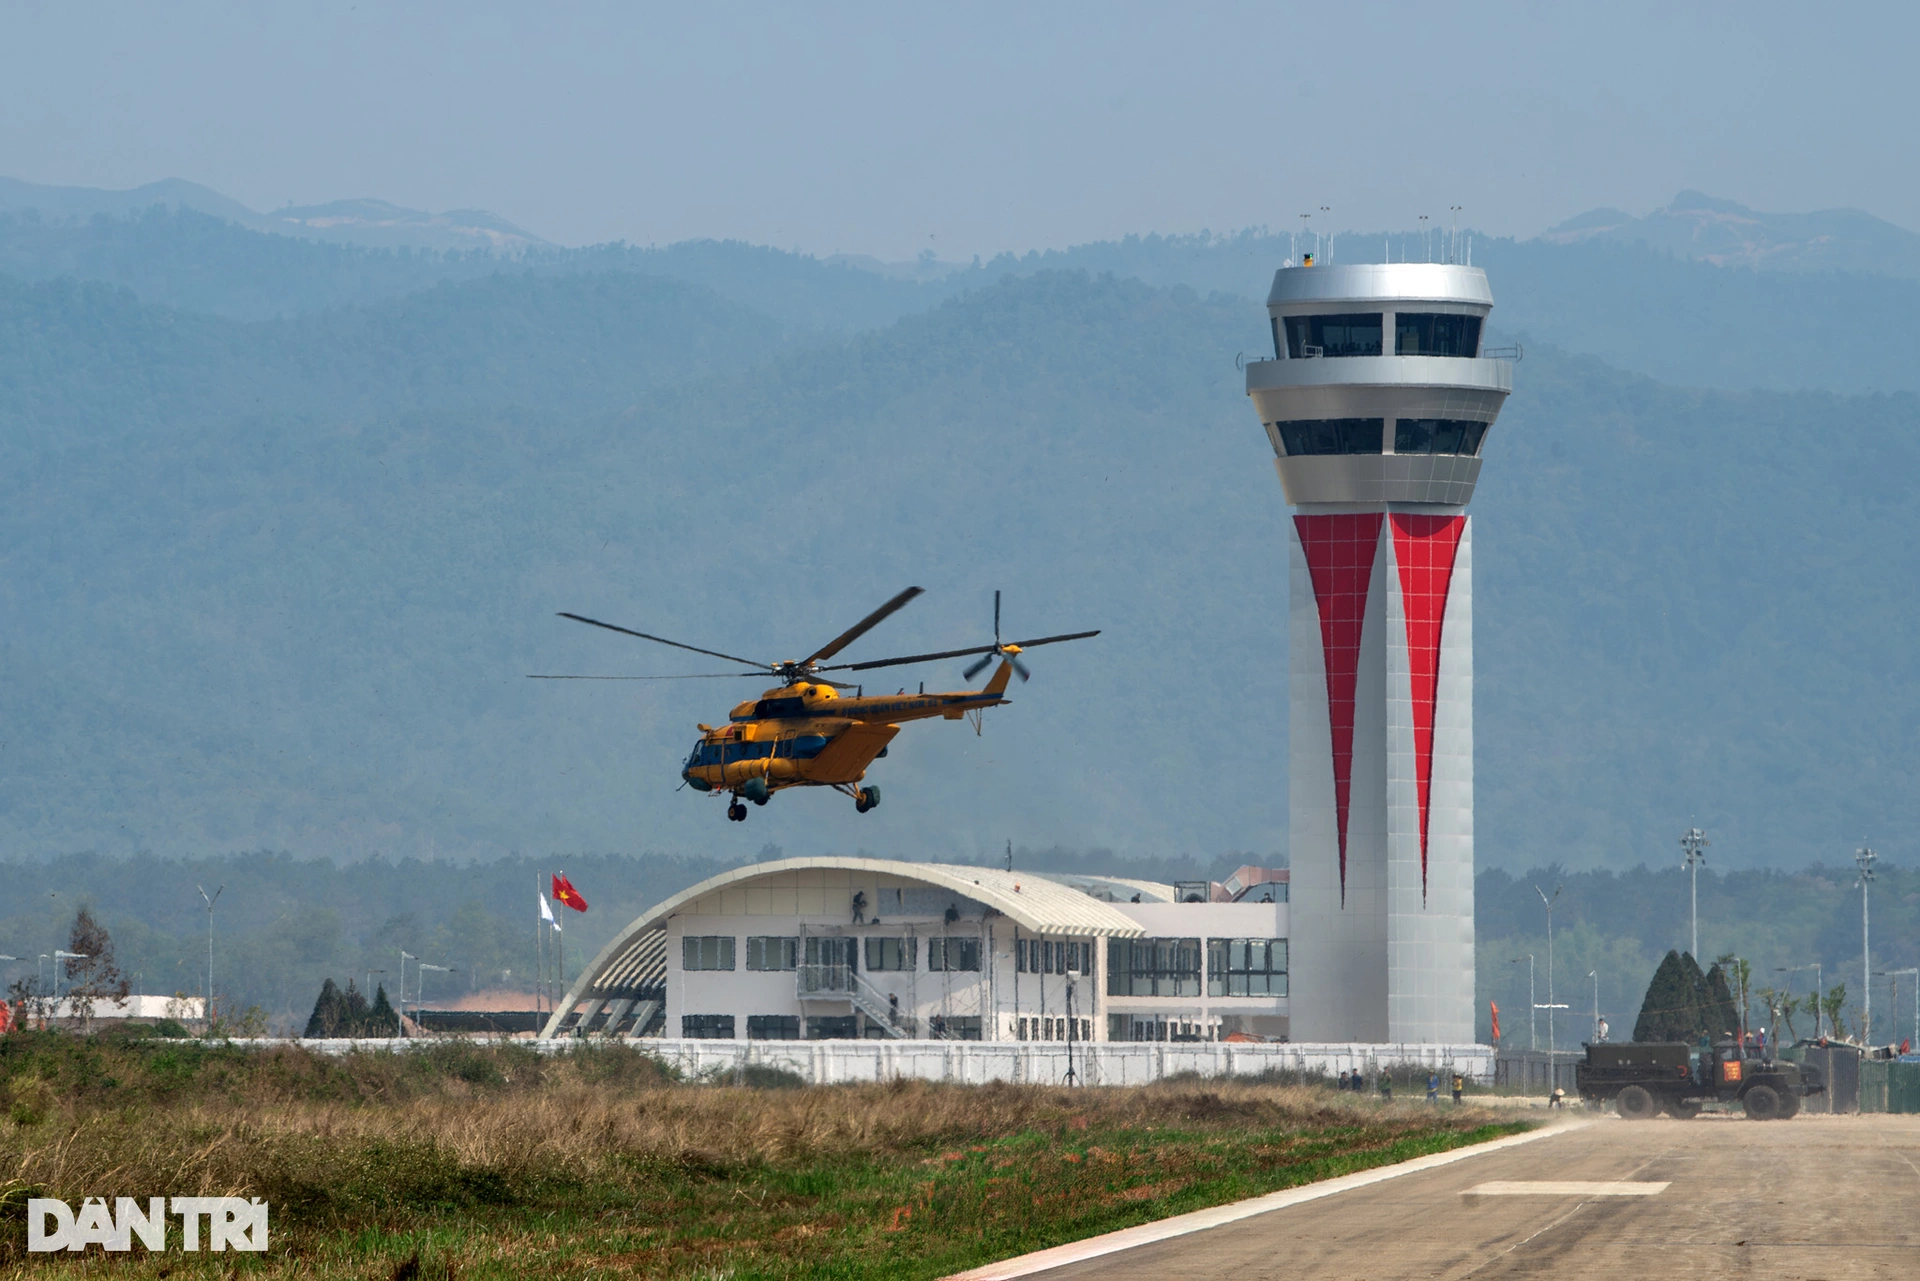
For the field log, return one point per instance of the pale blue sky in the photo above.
(970, 129)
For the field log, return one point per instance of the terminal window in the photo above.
(1332, 435)
(707, 1027)
(1426, 334)
(892, 954)
(707, 952)
(1437, 436)
(954, 1027)
(1045, 956)
(947, 955)
(1356, 335)
(771, 952)
(1153, 967)
(773, 1027)
(834, 1027)
(1246, 967)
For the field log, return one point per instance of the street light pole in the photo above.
(1595, 976)
(1549, 902)
(1864, 857)
(1532, 1043)
(400, 1027)
(208, 1012)
(1694, 842)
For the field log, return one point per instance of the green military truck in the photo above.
(1646, 1078)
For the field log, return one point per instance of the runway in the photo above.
(1814, 1197)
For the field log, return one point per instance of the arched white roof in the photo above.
(1029, 900)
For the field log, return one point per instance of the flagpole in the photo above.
(540, 951)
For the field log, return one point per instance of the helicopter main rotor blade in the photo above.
(910, 658)
(1054, 640)
(661, 640)
(861, 628)
(696, 676)
(953, 653)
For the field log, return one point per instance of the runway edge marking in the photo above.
(1059, 1256)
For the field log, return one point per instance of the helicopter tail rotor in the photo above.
(999, 650)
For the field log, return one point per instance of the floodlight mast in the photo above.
(1864, 858)
(1694, 842)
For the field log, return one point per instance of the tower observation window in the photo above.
(1357, 335)
(1332, 435)
(1437, 436)
(1425, 334)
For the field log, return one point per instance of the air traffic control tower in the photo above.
(1379, 401)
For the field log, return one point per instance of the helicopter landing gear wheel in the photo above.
(867, 798)
(737, 812)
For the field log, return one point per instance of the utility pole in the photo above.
(1694, 842)
(1864, 857)
(1595, 976)
(210, 902)
(1532, 1043)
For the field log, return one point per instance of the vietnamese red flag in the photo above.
(563, 892)
(1496, 1021)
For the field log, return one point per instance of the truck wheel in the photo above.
(1762, 1103)
(1683, 1109)
(1636, 1103)
(1789, 1106)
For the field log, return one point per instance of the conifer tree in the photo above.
(1670, 1009)
(381, 1020)
(327, 1012)
(353, 1012)
(1722, 1018)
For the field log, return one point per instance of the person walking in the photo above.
(1459, 1086)
(1386, 1085)
(1433, 1087)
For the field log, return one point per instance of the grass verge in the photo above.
(475, 1162)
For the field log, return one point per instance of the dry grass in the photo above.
(480, 1162)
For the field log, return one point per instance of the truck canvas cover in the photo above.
(1670, 1054)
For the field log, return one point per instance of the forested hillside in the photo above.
(280, 582)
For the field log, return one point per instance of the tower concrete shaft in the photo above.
(1378, 403)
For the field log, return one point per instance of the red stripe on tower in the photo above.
(1340, 551)
(1425, 547)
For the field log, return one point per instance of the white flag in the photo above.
(546, 913)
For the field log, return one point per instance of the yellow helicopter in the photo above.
(806, 733)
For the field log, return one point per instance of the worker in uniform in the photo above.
(1459, 1086)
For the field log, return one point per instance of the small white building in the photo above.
(851, 948)
(183, 1009)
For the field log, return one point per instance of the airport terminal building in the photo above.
(858, 948)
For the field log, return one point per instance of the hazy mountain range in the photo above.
(287, 521)
(373, 223)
